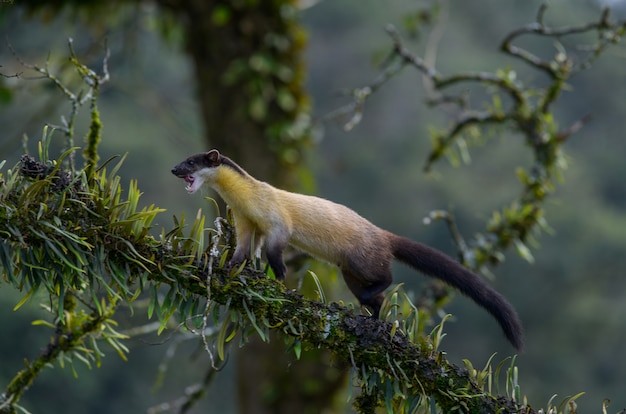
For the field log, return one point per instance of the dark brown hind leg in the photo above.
(371, 291)
(275, 246)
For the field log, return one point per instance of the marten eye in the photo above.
(191, 162)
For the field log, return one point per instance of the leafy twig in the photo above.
(94, 82)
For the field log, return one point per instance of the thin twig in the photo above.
(15, 75)
(44, 71)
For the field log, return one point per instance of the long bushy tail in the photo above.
(436, 264)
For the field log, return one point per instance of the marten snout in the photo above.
(178, 172)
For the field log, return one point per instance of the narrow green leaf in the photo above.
(62, 255)
(253, 321)
(6, 261)
(104, 164)
(221, 340)
(297, 347)
(117, 166)
(318, 285)
(40, 322)
(83, 359)
(154, 300)
(524, 251)
(119, 348)
(22, 301)
(388, 396)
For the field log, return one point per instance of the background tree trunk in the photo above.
(250, 88)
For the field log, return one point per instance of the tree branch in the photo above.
(110, 248)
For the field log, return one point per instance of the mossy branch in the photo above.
(88, 240)
(66, 340)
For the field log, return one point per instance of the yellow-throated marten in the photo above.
(334, 233)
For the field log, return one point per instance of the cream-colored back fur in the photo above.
(315, 225)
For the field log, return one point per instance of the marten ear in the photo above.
(213, 157)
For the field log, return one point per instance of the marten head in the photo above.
(202, 167)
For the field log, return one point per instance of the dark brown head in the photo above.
(196, 169)
(202, 169)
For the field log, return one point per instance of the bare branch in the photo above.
(608, 33)
(45, 72)
(15, 75)
(527, 112)
(564, 134)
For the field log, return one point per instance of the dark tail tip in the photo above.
(436, 264)
(510, 323)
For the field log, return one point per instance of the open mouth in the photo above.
(189, 180)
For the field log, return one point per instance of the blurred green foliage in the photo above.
(570, 298)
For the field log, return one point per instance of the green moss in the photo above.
(92, 140)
